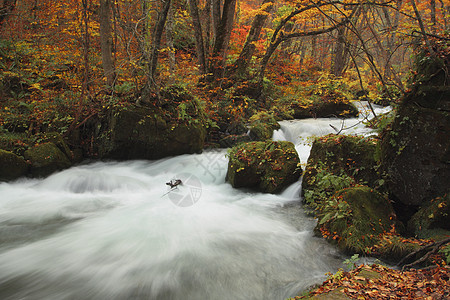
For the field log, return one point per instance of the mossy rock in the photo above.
(262, 126)
(46, 159)
(11, 166)
(416, 151)
(356, 217)
(57, 139)
(324, 109)
(393, 248)
(233, 140)
(432, 220)
(266, 166)
(354, 155)
(143, 133)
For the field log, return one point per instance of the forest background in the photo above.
(63, 62)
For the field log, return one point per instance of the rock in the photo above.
(46, 159)
(324, 109)
(416, 151)
(233, 140)
(267, 166)
(355, 217)
(59, 142)
(432, 220)
(11, 166)
(262, 126)
(354, 155)
(141, 133)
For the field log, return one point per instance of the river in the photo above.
(115, 230)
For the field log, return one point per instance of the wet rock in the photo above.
(266, 166)
(353, 155)
(12, 166)
(46, 159)
(142, 133)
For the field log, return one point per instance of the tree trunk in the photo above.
(106, 41)
(157, 35)
(86, 46)
(433, 15)
(193, 5)
(253, 35)
(208, 27)
(340, 53)
(225, 25)
(169, 39)
(6, 8)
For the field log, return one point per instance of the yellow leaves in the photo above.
(36, 86)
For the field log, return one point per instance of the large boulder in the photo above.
(267, 166)
(416, 150)
(356, 218)
(142, 133)
(57, 139)
(323, 109)
(12, 166)
(45, 159)
(354, 155)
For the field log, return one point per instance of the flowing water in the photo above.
(115, 230)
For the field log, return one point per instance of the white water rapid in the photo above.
(114, 230)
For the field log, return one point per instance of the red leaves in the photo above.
(379, 282)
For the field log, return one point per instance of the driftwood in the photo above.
(425, 252)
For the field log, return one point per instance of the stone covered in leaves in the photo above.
(416, 151)
(11, 166)
(46, 159)
(356, 218)
(355, 156)
(267, 166)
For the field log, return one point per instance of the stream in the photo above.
(115, 230)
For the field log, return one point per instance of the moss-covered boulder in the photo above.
(323, 109)
(138, 132)
(416, 150)
(46, 159)
(432, 220)
(356, 218)
(262, 126)
(11, 166)
(355, 156)
(57, 139)
(267, 166)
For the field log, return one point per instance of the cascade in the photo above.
(115, 230)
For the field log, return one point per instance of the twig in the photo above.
(435, 247)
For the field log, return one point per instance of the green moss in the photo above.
(267, 166)
(11, 166)
(355, 156)
(46, 159)
(432, 220)
(262, 126)
(356, 217)
(150, 133)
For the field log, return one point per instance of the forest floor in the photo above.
(380, 282)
